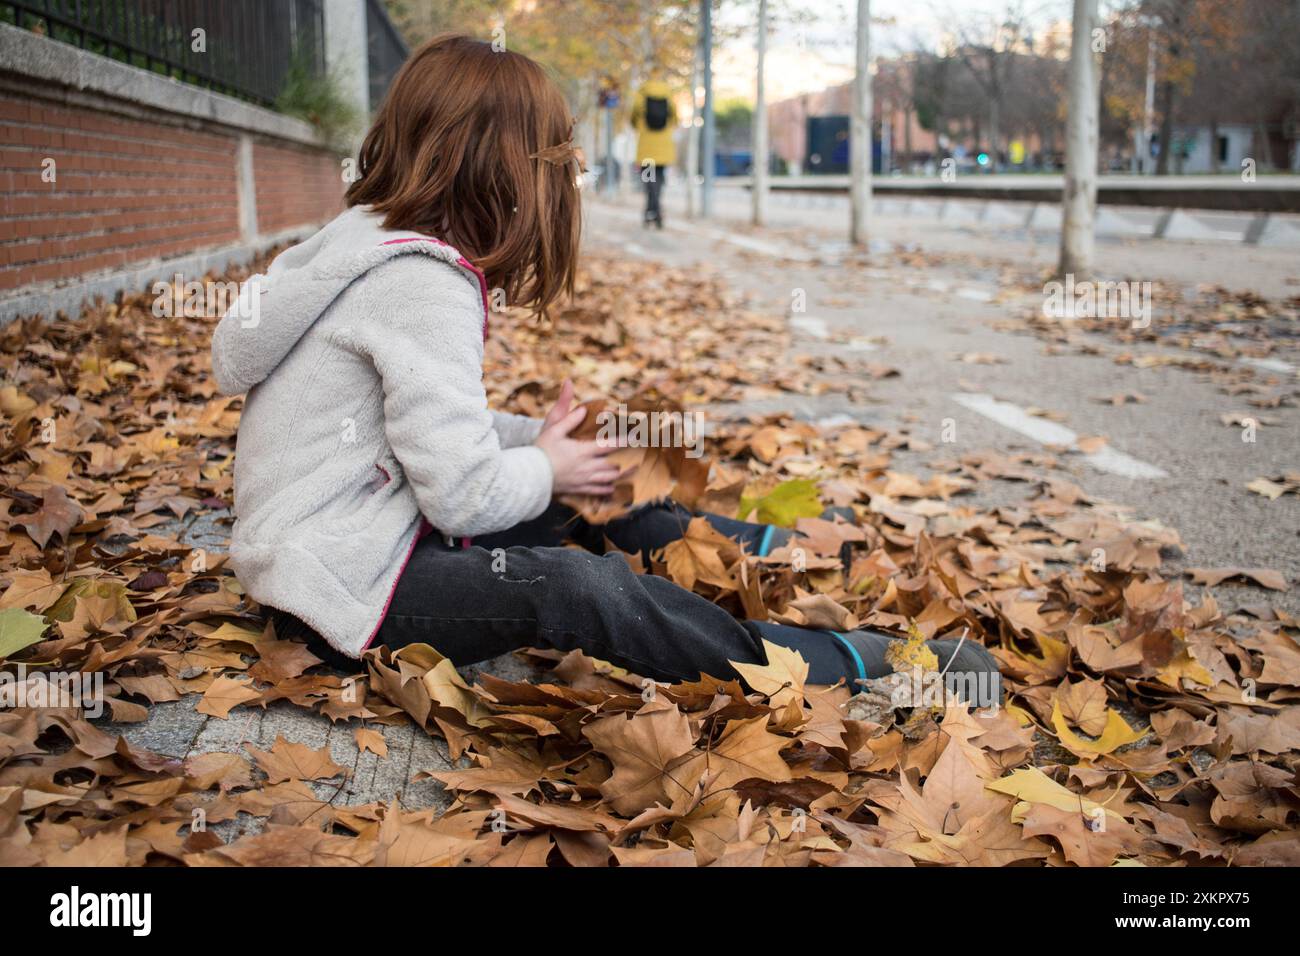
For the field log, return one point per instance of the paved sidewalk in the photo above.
(949, 315)
(942, 334)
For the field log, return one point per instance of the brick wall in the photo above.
(126, 191)
(294, 186)
(131, 191)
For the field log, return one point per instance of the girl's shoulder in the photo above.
(424, 278)
(414, 293)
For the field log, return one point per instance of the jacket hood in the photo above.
(274, 311)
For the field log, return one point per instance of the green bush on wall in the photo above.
(318, 98)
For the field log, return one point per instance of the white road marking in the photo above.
(811, 325)
(838, 420)
(1051, 433)
(785, 251)
(1271, 365)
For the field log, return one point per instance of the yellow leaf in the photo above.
(1116, 734)
(1033, 786)
(906, 655)
(235, 634)
(1184, 664)
(785, 504)
(781, 678)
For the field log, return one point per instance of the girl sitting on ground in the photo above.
(372, 481)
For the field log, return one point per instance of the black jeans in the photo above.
(519, 588)
(653, 189)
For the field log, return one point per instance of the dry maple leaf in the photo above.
(701, 554)
(781, 679)
(746, 749)
(289, 846)
(643, 750)
(1084, 704)
(905, 656)
(406, 840)
(291, 761)
(58, 514)
(1264, 577)
(106, 848)
(371, 740)
(1085, 840)
(224, 695)
(1116, 733)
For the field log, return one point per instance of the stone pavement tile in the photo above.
(427, 754)
(229, 735)
(171, 728)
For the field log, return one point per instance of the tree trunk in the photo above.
(759, 130)
(1166, 127)
(860, 133)
(693, 140)
(707, 131)
(907, 139)
(1080, 192)
(995, 133)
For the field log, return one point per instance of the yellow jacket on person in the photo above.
(654, 145)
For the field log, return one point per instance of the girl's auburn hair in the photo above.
(453, 153)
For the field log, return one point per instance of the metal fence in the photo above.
(245, 48)
(386, 51)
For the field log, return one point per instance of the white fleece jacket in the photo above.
(365, 417)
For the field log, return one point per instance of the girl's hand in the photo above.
(579, 467)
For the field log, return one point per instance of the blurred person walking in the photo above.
(654, 117)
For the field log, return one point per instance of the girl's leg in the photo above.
(649, 529)
(642, 532)
(474, 604)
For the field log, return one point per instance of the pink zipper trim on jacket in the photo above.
(425, 527)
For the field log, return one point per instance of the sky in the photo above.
(819, 53)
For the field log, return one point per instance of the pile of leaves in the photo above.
(1135, 729)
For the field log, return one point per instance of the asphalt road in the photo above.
(939, 315)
